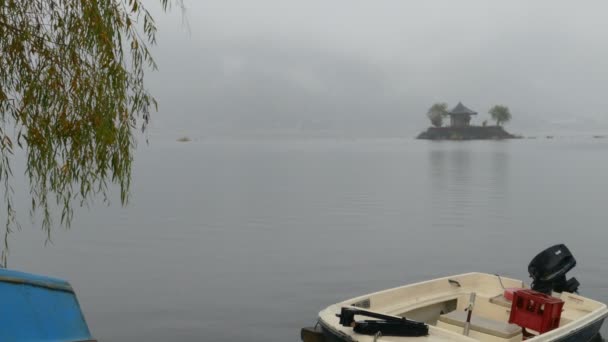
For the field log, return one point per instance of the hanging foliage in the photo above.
(72, 96)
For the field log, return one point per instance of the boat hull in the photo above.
(585, 334)
(331, 336)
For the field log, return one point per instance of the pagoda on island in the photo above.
(460, 116)
(460, 128)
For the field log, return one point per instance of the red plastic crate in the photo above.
(536, 311)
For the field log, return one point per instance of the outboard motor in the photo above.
(548, 270)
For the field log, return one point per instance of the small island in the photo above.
(460, 127)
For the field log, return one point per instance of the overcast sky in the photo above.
(374, 67)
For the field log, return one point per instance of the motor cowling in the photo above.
(548, 270)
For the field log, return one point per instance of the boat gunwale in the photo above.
(37, 283)
(369, 295)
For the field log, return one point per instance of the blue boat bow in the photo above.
(39, 308)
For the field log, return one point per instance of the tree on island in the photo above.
(500, 114)
(437, 112)
(72, 97)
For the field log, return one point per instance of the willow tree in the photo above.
(437, 112)
(500, 114)
(72, 97)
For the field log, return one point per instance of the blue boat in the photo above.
(39, 308)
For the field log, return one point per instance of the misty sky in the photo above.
(374, 67)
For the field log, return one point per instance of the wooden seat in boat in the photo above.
(483, 325)
(501, 300)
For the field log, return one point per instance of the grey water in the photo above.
(247, 240)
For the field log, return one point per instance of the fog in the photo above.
(372, 68)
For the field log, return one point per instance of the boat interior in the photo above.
(444, 305)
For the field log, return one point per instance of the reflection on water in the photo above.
(450, 186)
(466, 185)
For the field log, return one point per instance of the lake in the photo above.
(248, 240)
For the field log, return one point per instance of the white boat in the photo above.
(445, 310)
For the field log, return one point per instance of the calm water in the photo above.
(247, 241)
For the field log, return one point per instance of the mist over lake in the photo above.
(371, 69)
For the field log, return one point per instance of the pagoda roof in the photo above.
(461, 109)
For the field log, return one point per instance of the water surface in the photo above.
(248, 240)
